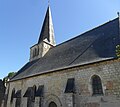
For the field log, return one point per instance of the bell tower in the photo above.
(46, 38)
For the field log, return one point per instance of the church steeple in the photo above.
(46, 38)
(47, 32)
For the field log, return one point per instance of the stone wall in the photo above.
(55, 83)
(2, 91)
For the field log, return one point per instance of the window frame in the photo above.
(97, 88)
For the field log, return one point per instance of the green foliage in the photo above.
(11, 74)
(118, 51)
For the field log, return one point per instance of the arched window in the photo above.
(52, 104)
(97, 85)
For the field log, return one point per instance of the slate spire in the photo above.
(47, 32)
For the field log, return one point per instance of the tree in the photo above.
(11, 74)
(8, 77)
(118, 51)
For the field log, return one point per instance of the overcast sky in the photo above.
(21, 22)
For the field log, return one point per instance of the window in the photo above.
(52, 104)
(35, 52)
(97, 85)
(18, 98)
(70, 86)
(30, 94)
(39, 91)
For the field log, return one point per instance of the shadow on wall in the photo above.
(2, 91)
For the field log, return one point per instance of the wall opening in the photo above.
(97, 85)
(52, 104)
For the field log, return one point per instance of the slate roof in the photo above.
(98, 44)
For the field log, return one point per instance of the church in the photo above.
(81, 72)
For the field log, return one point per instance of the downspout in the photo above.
(73, 99)
(73, 96)
(119, 26)
(40, 101)
(118, 38)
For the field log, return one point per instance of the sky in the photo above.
(21, 22)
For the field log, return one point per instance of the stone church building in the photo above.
(81, 72)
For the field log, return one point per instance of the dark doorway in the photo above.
(52, 104)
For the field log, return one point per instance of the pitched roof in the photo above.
(47, 32)
(98, 44)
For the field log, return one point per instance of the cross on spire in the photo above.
(118, 14)
(48, 2)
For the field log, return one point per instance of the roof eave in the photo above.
(63, 68)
